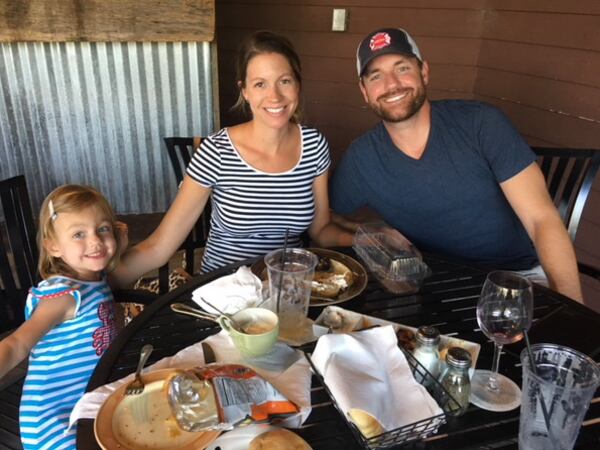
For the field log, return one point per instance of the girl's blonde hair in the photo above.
(69, 198)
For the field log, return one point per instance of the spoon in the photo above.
(235, 324)
(182, 308)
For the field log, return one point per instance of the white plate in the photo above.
(240, 438)
(144, 421)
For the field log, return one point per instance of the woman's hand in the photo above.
(122, 234)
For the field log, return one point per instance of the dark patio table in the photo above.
(447, 300)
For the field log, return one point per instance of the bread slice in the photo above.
(332, 282)
(278, 440)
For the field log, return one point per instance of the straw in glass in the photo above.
(283, 258)
(542, 401)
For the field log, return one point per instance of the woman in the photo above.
(267, 176)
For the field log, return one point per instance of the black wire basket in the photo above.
(410, 432)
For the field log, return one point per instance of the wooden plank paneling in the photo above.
(342, 94)
(258, 16)
(576, 31)
(362, 20)
(419, 22)
(425, 4)
(586, 7)
(561, 131)
(569, 99)
(459, 51)
(107, 20)
(569, 65)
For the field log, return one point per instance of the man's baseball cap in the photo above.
(384, 42)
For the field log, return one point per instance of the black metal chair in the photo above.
(181, 150)
(18, 251)
(569, 175)
(18, 272)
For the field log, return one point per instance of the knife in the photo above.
(209, 354)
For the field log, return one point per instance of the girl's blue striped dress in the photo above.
(62, 362)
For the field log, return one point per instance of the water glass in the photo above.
(290, 279)
(565, 382)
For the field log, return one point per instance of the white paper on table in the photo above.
(284, 367)
(367, 370)
(230, 293)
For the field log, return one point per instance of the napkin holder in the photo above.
(410, 432)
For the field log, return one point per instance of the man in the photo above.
(453, 176)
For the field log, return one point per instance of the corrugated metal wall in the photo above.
(96, 113)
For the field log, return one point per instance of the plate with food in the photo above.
(144, 421)
(259, 437)
(338, 277)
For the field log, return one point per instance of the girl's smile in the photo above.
(85, 242)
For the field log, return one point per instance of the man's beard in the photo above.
(406, 113)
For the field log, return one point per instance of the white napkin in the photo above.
(367, 370)
(230, 293)
(284, 368)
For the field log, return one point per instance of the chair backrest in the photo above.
(181, 150)
(18, 251)
(569, 174)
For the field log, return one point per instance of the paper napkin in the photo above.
(367, 370)
(230, 293)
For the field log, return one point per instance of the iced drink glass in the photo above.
(290, 280)
(566, 381)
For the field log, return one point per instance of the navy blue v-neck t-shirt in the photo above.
(449, 201)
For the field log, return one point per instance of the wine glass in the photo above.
(504, 312)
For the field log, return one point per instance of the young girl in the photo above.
(70, 317)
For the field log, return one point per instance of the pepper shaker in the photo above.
(456, 377)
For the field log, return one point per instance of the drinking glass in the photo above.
(556, 396)
(504, 312)
(290, 274)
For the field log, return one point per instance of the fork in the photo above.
(137, 385)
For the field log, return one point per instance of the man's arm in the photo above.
(527, 194)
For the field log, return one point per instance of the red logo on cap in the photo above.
(379, 41)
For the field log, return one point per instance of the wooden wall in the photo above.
(538, 60)
(449, 36)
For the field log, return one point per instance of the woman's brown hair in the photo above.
(70, 198)
(258, 43)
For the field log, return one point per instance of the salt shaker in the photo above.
(456, 377)
(427, 352)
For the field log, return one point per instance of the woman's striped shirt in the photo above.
(251, 209)
(61, 363)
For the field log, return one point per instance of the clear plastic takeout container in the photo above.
(392, 258)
